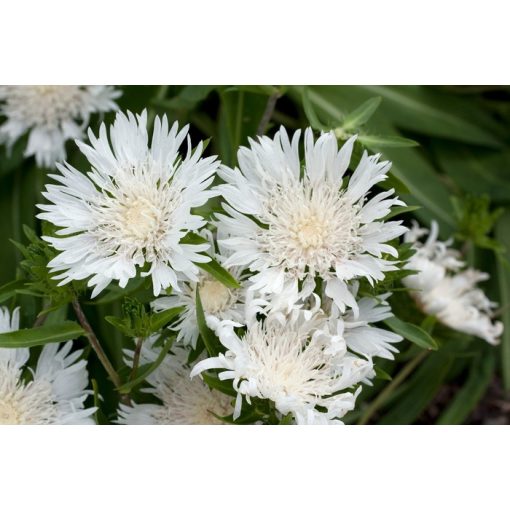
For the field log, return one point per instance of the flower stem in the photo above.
(136, 357)
(392, 386)
(94, 342)
(268, 113)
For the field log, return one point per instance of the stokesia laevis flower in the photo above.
(133, 208)
(183, 401)
(290, 362)
(218, 301)
(51, 115)
(54, 393)
(357, 330)
(440, 288)
(290, 224)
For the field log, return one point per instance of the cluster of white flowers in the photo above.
(289, 228)
(300, 233)
(440, 288)
(53, 393)
(51, 115)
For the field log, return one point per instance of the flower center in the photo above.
(310, 228)
(9, 415)
(311, 232)
(45, 105)
(215, 296)
(141, 219)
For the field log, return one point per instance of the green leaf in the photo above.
(222, 386)
(220, 273)
(161, 319)
(475, 170)
(310, 112)
(210, 340)
(378, 142)
(144, 371)
(381, 374)
(395, 211)
(121, 325)
(360, 115)
(8, 290)
(412, 333)
(67, 330)
(503, 236)
(187, 98)
(420, 390)
(266, 90)
(240, 114)
(424, 110)
(193, 238)
(466, 399)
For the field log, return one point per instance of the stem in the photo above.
(40, 320)
(94, 342)
(136, 357)
(392, 386)
(268, 113)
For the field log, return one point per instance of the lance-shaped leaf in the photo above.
(219, 273)
(211, 342)
(360, 115)
(412, 332)
(67, 330)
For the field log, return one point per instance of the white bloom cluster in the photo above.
(51, 115)
(182, 401)
(290, 228)
(298, 238)
(440, 288)
(53, 393)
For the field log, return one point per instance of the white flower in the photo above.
(52, 394)
(51, 115)
(289, 224)
(290, 362)
(441, 289)
(358, 332)
(132, 209)
(219, 302)
(183, 401)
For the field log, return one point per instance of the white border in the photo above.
(265, 41)
(259, 468)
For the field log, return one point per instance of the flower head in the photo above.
(358, 330)
(290, 225)
(132, 209)
(54, 393)
(219, 302)
(440, 288)
(292, 364)
(51, 115)
(183, 401)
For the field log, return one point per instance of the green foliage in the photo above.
(39, 281)
(145, 370)
(412, 332)
(476, 221)
(137, 321)
(209, 339)
(42, 335)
